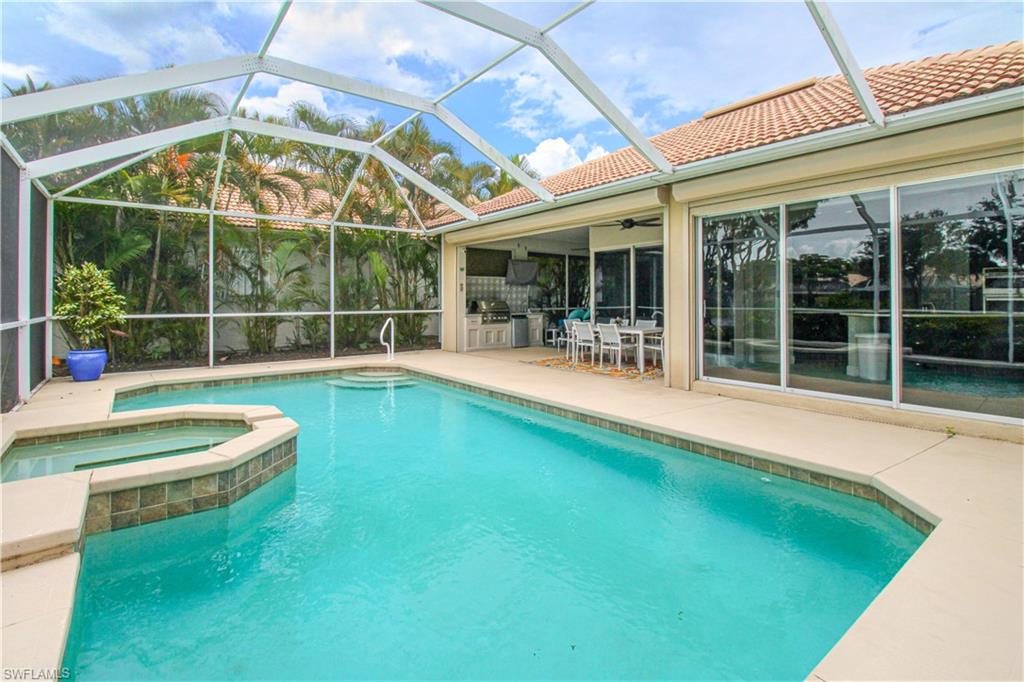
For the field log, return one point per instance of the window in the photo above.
(962, 297)
(741, 296)
(837, 265)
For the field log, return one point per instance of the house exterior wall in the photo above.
(602, 238)
(989, 143)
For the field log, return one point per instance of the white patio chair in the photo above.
(646, 324)
(612, 341)
(583, 338)
(655, 344)
(566, 336)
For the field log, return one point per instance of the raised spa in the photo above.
(43, 459)
(431, 533)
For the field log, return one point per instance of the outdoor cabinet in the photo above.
(536, 329)
(481, 336)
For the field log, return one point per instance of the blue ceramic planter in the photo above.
(86, 365)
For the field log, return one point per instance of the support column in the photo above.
(49, 288)
(680, 296)
(451, 294)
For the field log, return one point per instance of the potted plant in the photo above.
(90, 306)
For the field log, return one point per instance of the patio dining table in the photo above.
(640, 333)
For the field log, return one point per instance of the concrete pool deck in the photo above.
(954, 611)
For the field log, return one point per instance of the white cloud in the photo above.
(551, 156)
(286, 93)
(281, 101)
(554, 154)
(141, 36)
(401, 45)
(541, 102)
(15, 73)
(596, 153)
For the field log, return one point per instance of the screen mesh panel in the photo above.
(37, 257)
(9, 177)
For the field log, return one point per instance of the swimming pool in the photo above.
(432, 533)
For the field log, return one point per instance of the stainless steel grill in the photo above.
(494, 312)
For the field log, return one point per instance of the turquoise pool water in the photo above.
(29, 461)
(429, 533)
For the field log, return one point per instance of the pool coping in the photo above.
(847, 657)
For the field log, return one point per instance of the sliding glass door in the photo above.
(963, 294)
(837, 263)
(578, 268)
(612, 281)
(947, 332)
(629, 284)
(741, 296)
(649, 283)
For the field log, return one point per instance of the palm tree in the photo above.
(57, 133)
(253, 277)
(501, 182)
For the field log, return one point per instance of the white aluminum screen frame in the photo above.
(526, 35)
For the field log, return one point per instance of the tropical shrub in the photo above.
(88, 303)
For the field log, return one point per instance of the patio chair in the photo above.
(566, 336)
(612, 341)
(646, 324)
(583, 338)
(655, 344)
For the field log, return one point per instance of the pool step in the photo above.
(378, 373)
(368, 379)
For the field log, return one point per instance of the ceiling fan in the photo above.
(630, 223)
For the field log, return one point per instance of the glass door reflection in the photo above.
(649, 284)
(837, 264)
(740, 272)
(612, 280)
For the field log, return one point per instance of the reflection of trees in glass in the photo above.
(611, 283)
(740, 274)
(649, 281)
(549, 289)
(579, 282)
(842, 266)
(945, 256)
(814, 273)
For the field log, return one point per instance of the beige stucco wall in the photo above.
(985, 144)
(452, 295)
(602, 238)
(562, 217)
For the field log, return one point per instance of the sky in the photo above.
(662, 63)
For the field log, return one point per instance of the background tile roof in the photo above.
(298, 202)
(825, 105)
